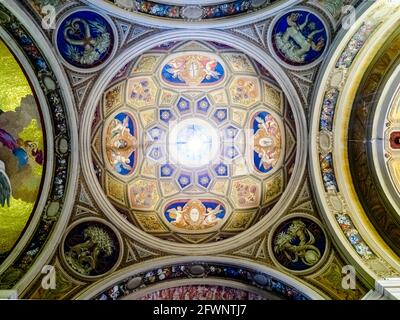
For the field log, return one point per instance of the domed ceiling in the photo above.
(193, 142)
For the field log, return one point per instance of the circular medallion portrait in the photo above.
(299, 244)
(299, 38)
(85, 39)
(91, 249)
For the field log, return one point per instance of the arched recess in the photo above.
(386, 104)
(333, 100)
(165, 23)
(39, 242)
(202, 283)
(371, 129)
(261, 278)
(209, 35)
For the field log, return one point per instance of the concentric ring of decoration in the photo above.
(54, 206)
(88, 122)
(230, 14)
(385, 153)
(336, 194)
(378, 204)
(143, 278)
(195, 143)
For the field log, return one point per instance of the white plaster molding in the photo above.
(386, 289)
(8, 295)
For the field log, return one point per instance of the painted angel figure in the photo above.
(271, 125)
(120, 162)
(120, 144)
(267, 141)
(267, 159)
(119, 127)
(211, 216)
(177, 66)
(209, 68)
(22, 157)
(177, 214)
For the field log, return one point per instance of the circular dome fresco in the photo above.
(193, 142)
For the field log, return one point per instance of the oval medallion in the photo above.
(121, 143)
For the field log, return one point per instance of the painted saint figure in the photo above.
(267, 142)
(299, 41)
(193, 70)
(121, 144)
(195, 215)
(21, 150)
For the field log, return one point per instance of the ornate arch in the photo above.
(137, 252)
(334, 98)
(166, 23)
(46, 227)
(123, 276)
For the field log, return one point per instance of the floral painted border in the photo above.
(203, 270)
(62, 153)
